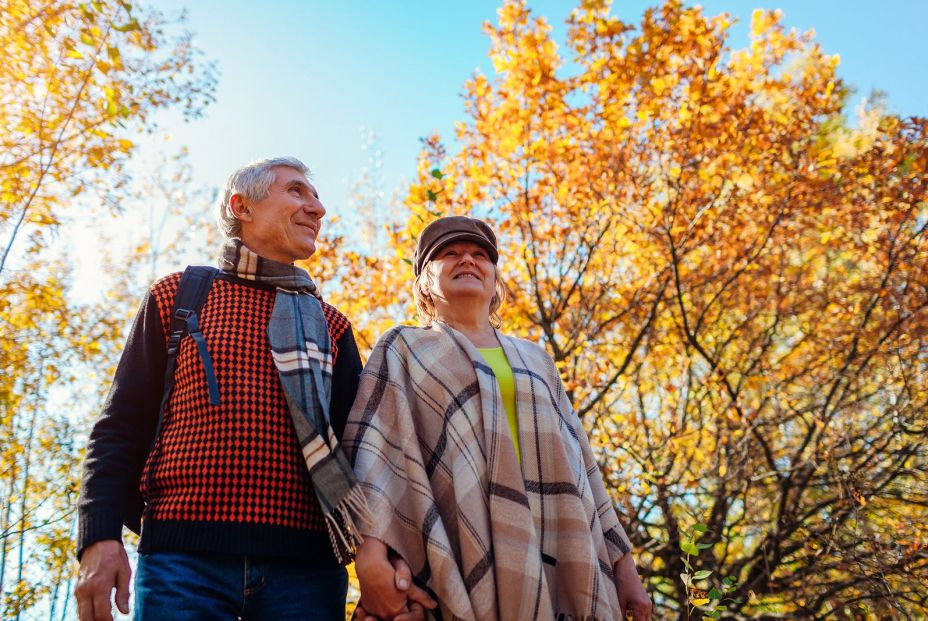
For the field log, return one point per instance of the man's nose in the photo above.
(315, 207)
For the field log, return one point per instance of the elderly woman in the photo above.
(475, 467)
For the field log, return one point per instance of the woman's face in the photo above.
(462, 271)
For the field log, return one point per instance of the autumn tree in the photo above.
(732, 277)
(77, 83)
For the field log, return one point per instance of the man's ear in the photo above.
(240, 210)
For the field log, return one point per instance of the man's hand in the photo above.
(634, 600)
(417, 600)
(380, 589)
(104, 566)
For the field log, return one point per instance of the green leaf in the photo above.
(714, 593)
(702, 574)
(436, 172)
(703, 546)
(700, 528)
(688, 547)
(431, 195)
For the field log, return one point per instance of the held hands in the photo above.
(104, 566)
(387, 591)
(634, 600)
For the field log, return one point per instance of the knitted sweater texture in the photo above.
(227, 478)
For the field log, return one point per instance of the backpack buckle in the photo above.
(174, 341)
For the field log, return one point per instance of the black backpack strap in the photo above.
(191, 294)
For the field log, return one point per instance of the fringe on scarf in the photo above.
(343, 522)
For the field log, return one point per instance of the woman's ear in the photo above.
(240, 210)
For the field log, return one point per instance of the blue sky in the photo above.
(302, 78)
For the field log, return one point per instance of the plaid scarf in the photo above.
(430, 443)
(299, 338)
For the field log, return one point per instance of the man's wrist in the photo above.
(97, 526)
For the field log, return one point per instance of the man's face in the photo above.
(283, 226)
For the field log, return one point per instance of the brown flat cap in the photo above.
(443, 231)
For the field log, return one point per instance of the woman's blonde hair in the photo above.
(425, 308)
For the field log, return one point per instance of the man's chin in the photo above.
(307, 251)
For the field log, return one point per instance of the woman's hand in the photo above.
(633, 599)
(387, 591)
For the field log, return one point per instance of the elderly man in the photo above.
(230, 436)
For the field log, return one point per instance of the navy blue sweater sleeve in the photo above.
(345, 377)
(122, 435)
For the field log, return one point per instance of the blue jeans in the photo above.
(190, 585)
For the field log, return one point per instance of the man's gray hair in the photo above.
(253, 182)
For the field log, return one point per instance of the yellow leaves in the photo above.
(744, 181)
(684, 114)
(51, 92)
(659, 85)
(762, 21)
(114, 54)
(870, 236)
(111, 96)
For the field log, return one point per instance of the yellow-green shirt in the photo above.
(496, 358)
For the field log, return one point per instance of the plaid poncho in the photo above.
(429, 442)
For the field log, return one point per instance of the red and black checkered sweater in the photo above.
(227, 478)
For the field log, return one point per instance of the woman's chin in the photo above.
(468, 292)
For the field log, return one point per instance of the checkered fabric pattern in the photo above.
(239, 461)
(431, 445)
